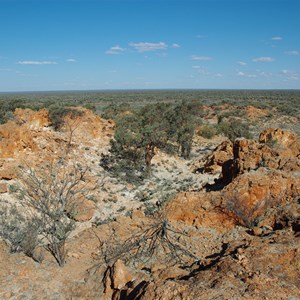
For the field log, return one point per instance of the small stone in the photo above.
(3, 188)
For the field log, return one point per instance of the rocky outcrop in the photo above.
(221, 156)
(33, 119)
(243, 239)
(253, 113)
(87, 125)
(277, 149)
(199, 210)
(249, 269)
(252, 194)
(14, 139)
(116, 278)
(285, 142)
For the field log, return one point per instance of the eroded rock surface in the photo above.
(239, 237)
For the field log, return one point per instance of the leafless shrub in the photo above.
(51, 195)
(159, 241)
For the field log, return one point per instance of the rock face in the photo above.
(241, 272)
(199, 210)
(284, 138)
(251, 194)
(34, 120)
(242, 234)
(14, 139)
(220, 156)
(115, 279)
(276, 149)
(261, 192)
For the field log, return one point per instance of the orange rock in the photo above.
(3, 188)
(255, 113)
(8, 169)
(286, 142)
(222, 154)
(87, 125)
(120, 275)
(84, 210)
(33, 119)
(15, 138)
(198, 209)
(251, 194)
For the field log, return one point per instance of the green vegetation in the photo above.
(285, 101)
(57, 112)
(234, 129)
(49, 198)
(140, 132)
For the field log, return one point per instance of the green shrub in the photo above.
(57, 113)
(18, 231)
(234, 129)
(208, 131)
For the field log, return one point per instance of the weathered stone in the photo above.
(8, 169)
(222, 154)
(83, 210)
(120, 275)
(33, 119)
(3, 188)
(250, 194)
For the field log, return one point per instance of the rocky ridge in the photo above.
(237, 236)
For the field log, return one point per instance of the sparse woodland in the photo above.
(144, 195)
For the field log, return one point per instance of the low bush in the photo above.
(208, 131)
(234, 129)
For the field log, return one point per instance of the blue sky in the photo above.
(149, 44)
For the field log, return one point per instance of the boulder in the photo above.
(120, 275)
(250, 195)
(220, 156)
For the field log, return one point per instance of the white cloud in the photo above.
(263, 59)
(175, 45)
(242, 74)
(195, 57)
(290, 75)
(265, 74)
(293, 53)
(200, 36)
(36, 62)
(277, 38)
(71, 60)
(242, 63)
(145, 46)
(115, 50)
(201, 70)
